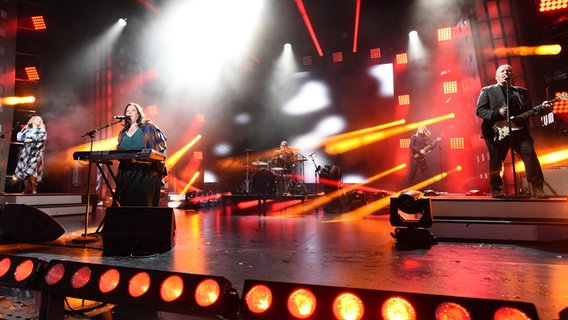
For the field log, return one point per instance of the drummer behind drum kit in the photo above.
(281, 175)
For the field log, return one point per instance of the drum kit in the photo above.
(281, 175)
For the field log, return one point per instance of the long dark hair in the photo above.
(142, 117)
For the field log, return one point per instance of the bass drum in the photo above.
(264, 182)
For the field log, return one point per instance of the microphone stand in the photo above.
(511, 144)
(85, 238)
(316, 172)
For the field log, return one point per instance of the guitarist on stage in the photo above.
(492, 108)
(421, 143)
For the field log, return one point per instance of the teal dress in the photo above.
(138, 184)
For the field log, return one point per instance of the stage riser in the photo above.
(500, 219)
(499, 232)
(52, 204)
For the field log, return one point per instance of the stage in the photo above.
(503, 249)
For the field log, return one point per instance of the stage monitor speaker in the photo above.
(20, 223)
(138, 231)
(555, 180)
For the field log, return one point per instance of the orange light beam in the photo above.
(357, 133)
(549, 158)
(11, 101)
(356, 32)
(106, 144)
(173, 159)
(187, 186)
(302, 9)
(356, 142)
(375, 206)
(320, 201)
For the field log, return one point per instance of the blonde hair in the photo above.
(32, 119)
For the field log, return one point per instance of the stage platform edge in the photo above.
(485, 218)
(53, 204)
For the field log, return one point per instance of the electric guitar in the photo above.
(427, 149)
(501, 127)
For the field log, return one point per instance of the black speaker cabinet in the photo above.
(22, 223)
(138, 231)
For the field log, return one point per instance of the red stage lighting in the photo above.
(552, 5)
(189, 294)
(38, 23)
(337, 56)
(32, 73)
(375, 53)
(279, 300)
(21, 272)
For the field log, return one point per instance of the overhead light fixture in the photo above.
(411, 214)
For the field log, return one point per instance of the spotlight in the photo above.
(277, 300)
(122, 22)
(411, 213)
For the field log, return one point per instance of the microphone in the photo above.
(122, 117)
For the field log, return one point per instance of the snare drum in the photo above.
(264, 182)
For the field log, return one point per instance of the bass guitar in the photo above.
(501, 128)
(427, 149)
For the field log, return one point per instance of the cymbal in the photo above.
(301, 160)
(277, 169)
(259, 163)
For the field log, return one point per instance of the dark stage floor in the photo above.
(316, 248)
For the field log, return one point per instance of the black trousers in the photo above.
(415, 165)
(523, 145)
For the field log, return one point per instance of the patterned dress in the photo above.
(30, 159)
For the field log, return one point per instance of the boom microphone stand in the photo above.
(85, 238)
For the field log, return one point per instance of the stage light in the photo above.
(302, 303)
(280, 300)
(444, 34)
(398, 308)
(31, 73)
(38, 23)
(122, 22)
(404, 100)
(189, 294)
(411, 213)
(21, 272)
(337, 56)
(348, 306)
(32, 23)
(402, 58)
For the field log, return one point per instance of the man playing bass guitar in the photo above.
(421, 143)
